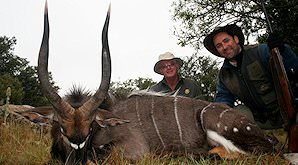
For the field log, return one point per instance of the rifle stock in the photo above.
(285, 98)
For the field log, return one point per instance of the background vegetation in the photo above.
(196, 18)
(15, 72)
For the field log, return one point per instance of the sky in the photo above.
(139, 31)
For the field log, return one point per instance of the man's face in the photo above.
(169, 68)
(226, 45)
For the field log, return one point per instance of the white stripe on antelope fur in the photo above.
(227, 144)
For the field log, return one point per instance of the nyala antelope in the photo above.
(143, 123)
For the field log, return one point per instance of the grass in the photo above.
(21, 144)
(263, 159)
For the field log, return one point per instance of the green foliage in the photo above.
(9, 63)
(121, 89)
(143, 83)
(283, 15)
(31, 85)
(6, 45)
(17, 92)
(196, 18)
(204, 70)
(20, 71)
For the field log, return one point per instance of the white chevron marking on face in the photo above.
(82, 144)
(227, 144)
(74, 146)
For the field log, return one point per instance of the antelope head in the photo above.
(74, 121)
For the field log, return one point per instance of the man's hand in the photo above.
(275, 41)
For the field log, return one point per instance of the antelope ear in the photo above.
(40, 115)
(107, 119)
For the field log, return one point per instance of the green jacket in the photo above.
(252, 83)
(187, 88)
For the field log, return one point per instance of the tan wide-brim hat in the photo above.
(166, 56)
(231, 29)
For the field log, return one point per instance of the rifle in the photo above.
(284, 94)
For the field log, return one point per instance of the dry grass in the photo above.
(115, 158)
(20, 144)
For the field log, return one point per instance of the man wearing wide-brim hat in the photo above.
(168, 65)
(245, 74)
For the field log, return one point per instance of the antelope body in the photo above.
(144, 123)
(180, 125)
